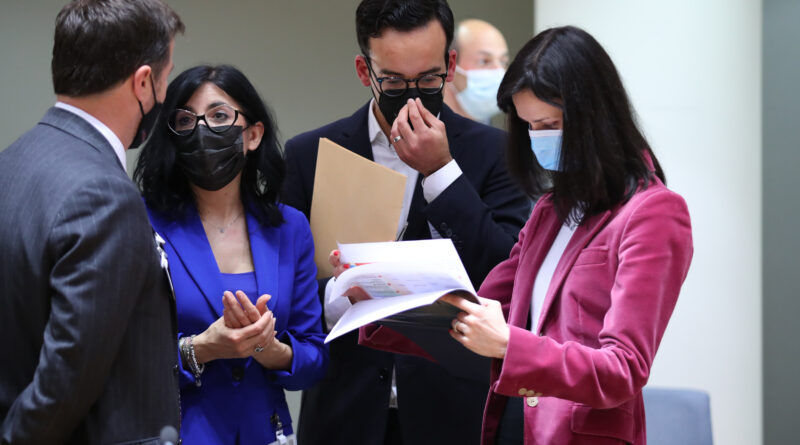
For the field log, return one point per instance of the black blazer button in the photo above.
(175, 370)
(238, 373)
(383, 374)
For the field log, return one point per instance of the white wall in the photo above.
(693, 71)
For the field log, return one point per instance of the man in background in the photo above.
(480, 66)
(87, 329)
(457, 188)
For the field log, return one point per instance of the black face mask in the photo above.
(390, 106)
(211, 160)
(149, 119)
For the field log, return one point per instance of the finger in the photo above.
(414, 114)
(486, 301)
(460, 303)
(356, 294)
(261, 303)
(253, 331)
(334, 258)
(269, 331)
(227, 316)
(236, 310)
(228, 301)
(457, 336)
(426, 115)
(249, 309)
(403, 128)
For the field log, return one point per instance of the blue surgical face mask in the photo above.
(546, 146)
(479, 98)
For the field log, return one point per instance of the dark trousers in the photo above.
(393, 436)
(512, 425)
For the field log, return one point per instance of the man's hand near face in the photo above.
(425, 147)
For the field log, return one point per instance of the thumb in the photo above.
(261, 303)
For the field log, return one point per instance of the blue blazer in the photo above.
(238, 398)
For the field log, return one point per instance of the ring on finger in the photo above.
(396, 138)
(258, 349)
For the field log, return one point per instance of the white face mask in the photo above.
(479, 98)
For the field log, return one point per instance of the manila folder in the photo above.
(355, 200)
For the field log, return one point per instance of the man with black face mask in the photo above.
(457, 188)
(87, 326)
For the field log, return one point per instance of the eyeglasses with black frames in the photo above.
(429, 84)
(218, 119)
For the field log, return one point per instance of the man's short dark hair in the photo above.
(99, 43)
(373, 17)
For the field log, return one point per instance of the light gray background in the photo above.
(298, 53)
(781, 160)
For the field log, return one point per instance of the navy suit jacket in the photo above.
(238, 397)
(482, 213)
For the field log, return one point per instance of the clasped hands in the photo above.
(243, 330)
(481, 327)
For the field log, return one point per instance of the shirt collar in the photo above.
(374, 128)
(110, 136)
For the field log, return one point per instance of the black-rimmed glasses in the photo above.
(218, 119)
(429, 84)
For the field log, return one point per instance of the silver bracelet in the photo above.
(187, 351)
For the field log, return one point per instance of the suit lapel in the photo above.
(192, 248)
(355, 133)
(264, 248)
(580, 239)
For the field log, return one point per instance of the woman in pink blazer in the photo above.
(573, 318)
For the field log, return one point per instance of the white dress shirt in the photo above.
(112, 138)
(432, 186)
(384, 154)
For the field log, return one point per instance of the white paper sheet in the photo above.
(399, 276)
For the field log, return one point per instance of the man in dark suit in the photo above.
(87, 330)
(457, 188)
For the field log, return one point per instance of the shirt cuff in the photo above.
(434, 184)
(334, 309)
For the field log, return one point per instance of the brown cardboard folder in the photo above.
(355, 201)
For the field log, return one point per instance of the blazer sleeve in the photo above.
(655, 251)
(304, 331)
(483, 222)
(98, 243)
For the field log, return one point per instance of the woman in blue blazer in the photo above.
(242, 265)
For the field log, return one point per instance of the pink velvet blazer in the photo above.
(582, 372)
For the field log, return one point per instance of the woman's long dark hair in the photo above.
(164, 186)
(602, 153)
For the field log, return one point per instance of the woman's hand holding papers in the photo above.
(481, 328)
(355, 293)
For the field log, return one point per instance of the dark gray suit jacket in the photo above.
(87, 321)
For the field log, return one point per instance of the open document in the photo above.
(405, 280)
